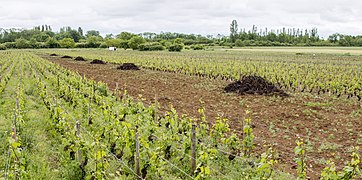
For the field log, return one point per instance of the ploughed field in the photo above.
(320, 100)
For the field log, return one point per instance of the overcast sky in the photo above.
(186, 16)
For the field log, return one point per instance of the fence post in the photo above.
(193, 149)
(138, 172)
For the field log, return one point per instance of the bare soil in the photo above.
(328, 126)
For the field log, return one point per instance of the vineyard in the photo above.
(302, 72)
(58, 124)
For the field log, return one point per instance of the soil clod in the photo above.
(66, 57)
(97, 61)
(128, 66)
(79, 59)
(254, 85)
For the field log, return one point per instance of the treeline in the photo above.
(67, 37)
(287, 37)
(44, 37)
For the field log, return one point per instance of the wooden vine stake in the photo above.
(193, 149)
(78, 135)
(117, 91)
(138, 172)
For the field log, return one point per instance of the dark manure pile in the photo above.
(67, 57)
(254, 85)
(79, 59)
(128, 66)
(97, 61)
(53, 55)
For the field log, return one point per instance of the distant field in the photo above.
(327, 50)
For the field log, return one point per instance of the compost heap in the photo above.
(128, 66)
(79, 59)
(254, 85)
(97, 61)
(66, 57)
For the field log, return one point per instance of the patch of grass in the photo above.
(356, 113)
(309, 112)
(318, 104)
(328, 146)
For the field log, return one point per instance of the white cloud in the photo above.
(187, 16)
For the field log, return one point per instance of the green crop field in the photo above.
(57, 124)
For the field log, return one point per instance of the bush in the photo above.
(135, 41)
(10, 45)
(198, 47)
(22, 43)
(43, 45)
(92, 44)
(153, 46)
(123, 44)
(239, 43)
(103, 45)
(67, 43)
(80, 45)
(52, 43)
(176, 47)
(36, 45)
(2, 47)
(190, 42)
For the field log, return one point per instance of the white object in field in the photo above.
(112, 48)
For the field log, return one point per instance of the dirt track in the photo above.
(327, 123)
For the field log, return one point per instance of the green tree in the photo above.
(334, 38)
(176, 47)
(123, 44)
(80, 31)
(178, 41)
(52, 43)
(239, 43)
(135, 41)
(113, 42)
(22, 43)
(233, 31)
(125, 35)
(2, 47)
(67, 43)
(74, 35)
(92, 33)
(93, 42)
(41, 37)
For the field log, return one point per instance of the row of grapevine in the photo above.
(16, 160)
